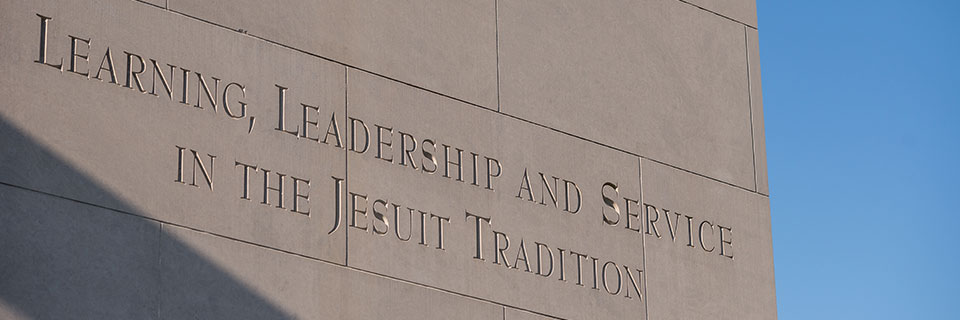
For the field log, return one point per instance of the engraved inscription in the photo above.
(174, 81)
(567, 265)
(197, 162)
(279, 189)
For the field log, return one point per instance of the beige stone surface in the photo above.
(58, 125)
(275, 285)
(424, 201)
(756, 107)
(158, 3)
(743, 11)
(63, 260)
(515, 314)
(662, 79)
(413, 114)
(444, 46)
(685, 281)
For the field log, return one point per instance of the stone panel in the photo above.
(445, 46)
(60, 259)
(708, 248)
(288, 286)
(743, 11)
(756, 105)
(57, 124)
(662, 79)
(391, 186)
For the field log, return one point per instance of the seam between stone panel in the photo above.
(151, 4)
(496, 28)
(462, 101)
(281, 250)
(753, 139)
(159, 270)
(346, 168)
(643, 247)
(719, 14)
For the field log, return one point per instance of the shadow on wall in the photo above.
(65, 259)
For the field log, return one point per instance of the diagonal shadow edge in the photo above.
(68, 259)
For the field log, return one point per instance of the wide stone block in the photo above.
(60, 259)
(445, 46)
(743, 11)
(708, 248)
(756, 107)
(233, 280)
(464, 199)
(661, 79)
(190, 140)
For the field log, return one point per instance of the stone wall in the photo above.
(369, 159)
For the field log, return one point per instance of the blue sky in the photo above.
(862, 111)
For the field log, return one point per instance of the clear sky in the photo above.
(862, 110)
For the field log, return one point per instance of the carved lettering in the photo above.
(353, 135)
(428, 155)
(134, 75)
(632, 214)
(378, 216)
(610, 203)
(381, 143)
(566, 198)
(226, 100)
(307, 123)
(446, 158)
(163, 79)
(297, 195)
(702, 246)
(281, 114)
(44, 22)
(490, 174)
(357, 208)
(540, 262)
(652, 222)
(197, 163)
(333, 129)
(108, 61)
(727, 241)
(338, 207)
(478, 233)
(615, 278)
(74, 54)
(522, 256)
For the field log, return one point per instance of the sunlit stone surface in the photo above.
(368, 159)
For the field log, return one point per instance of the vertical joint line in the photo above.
(753, 141)
(643, 244)
(496, 28)
(159, 269)
(346, 169)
